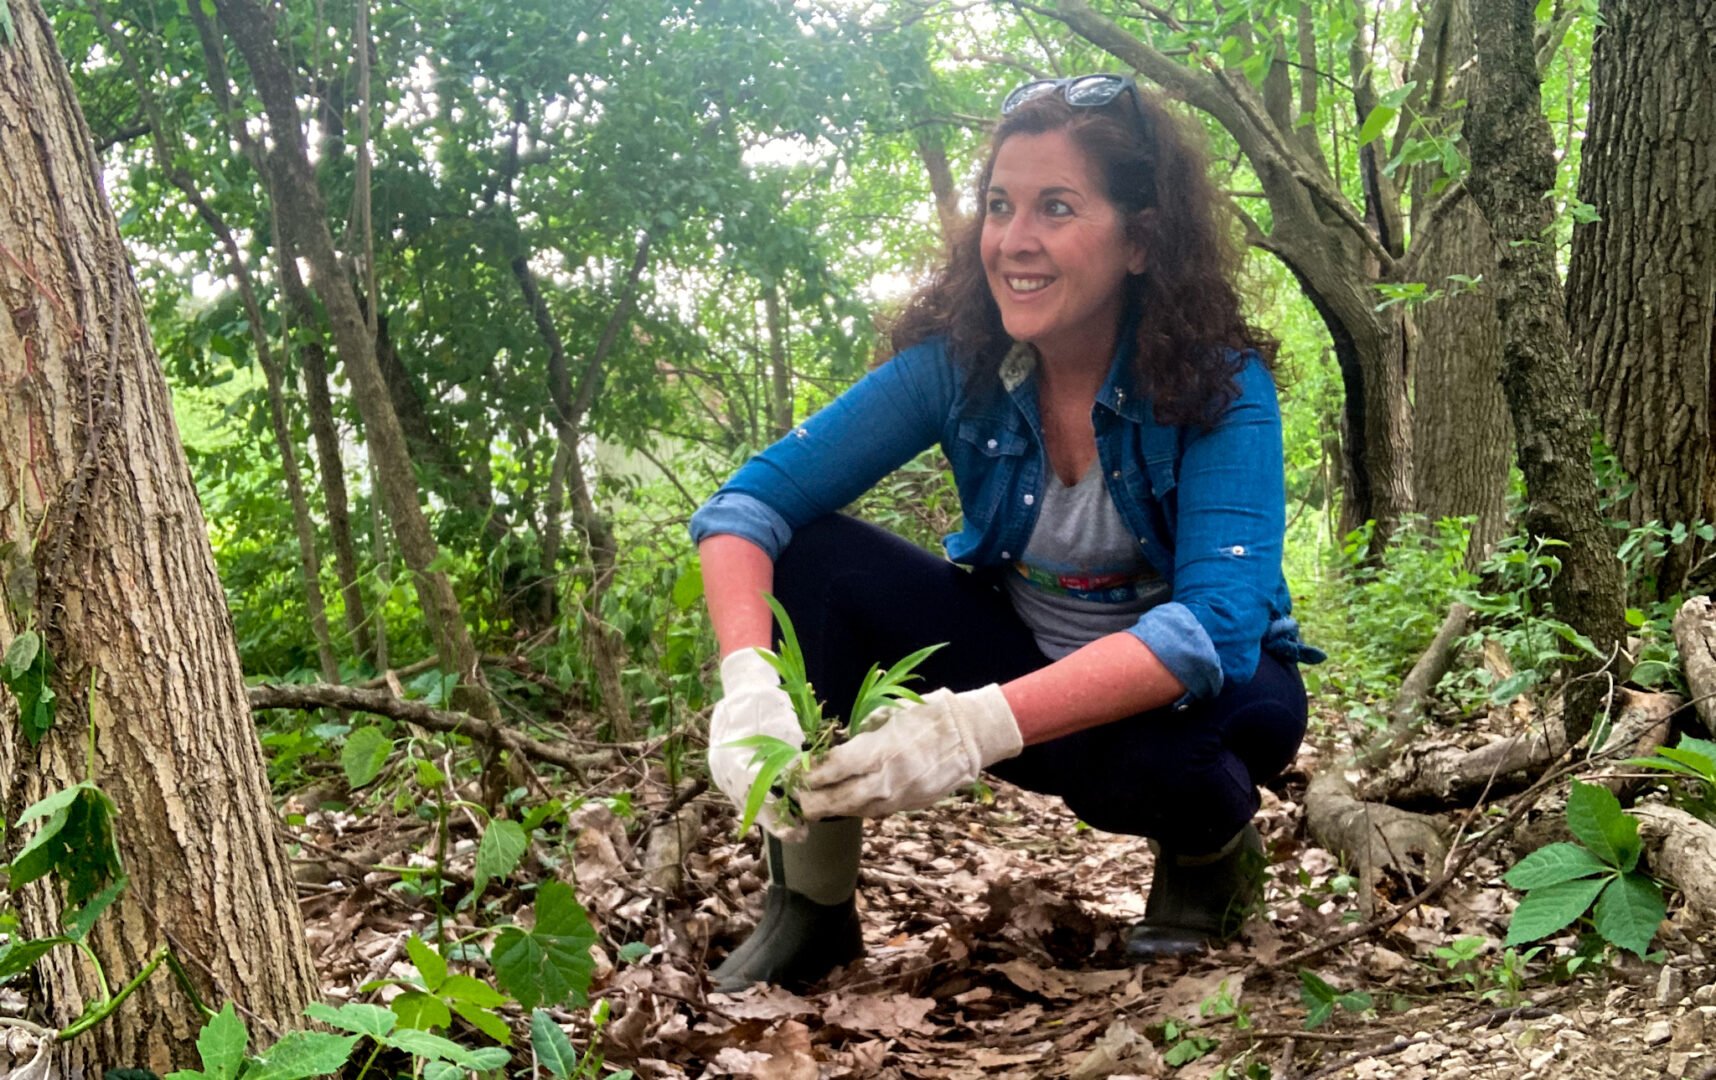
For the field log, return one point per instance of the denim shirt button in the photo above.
(1115, 474)
(992, 444)
(1029, 499)
(1006, 554)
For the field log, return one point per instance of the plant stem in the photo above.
(105, 1009)
(89, 750)
(100, 975)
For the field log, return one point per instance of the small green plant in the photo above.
(1321, 999)
(26, 670)
(1500, 982)
(1599, 874)
(1694, 762)
(433, 996)
(780, 762)
(1184, 1044)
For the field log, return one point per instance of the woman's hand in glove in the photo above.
(752, 703)
(920, 753)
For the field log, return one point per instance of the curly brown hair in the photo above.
(1186, 301)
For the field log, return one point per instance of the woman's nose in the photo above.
(1021, 234)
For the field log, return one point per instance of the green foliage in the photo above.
(1563, 881)
(555, 1053)
(432, 998)
(502, 846)
(1693, 763)
(76, 843)
(26, 670)
(1321, 999)
(779, 763)
(364, 755)
(550, 962)
(1378, 609)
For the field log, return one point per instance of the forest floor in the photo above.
(992, 931)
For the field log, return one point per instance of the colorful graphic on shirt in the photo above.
(1123, 587)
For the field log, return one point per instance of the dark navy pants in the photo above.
(1188, 777)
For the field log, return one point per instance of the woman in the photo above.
(1122, 638)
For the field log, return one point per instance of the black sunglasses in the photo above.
(1079, 91)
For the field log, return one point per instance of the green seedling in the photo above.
(781, 764)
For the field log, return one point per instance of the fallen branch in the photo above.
(1413, 700)
(1372, 836)
(1681, 849)
(324, 696)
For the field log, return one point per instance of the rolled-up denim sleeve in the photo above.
(1231, 502)
(887, 418)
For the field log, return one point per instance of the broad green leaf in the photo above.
(420, 1011)
(1376, 123)
(80, 920)
(442, 1070)
(221, 1044)
(503, 845)
(1553, 864)
(301, 1054)
(364, 755)
(1629, 912)
(436, 1048)
(1313, 989)
(486, 1021)
(1594, 815)
(473, 990)
(550, 962)
(52, 804)
(76, 842)
(21, 655)
(427, 961)
(1395, 98)
(688, 588)
(1551, 908)
(17, 957)
(1512, 686)
(553, 1049)
(372, 1020)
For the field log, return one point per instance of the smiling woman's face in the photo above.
(1054, 248)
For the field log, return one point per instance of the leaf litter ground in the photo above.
(992, 934)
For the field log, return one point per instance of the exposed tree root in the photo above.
(1372, 837)
(1695, 634)
(1682, 849)
(1413, 701)
(1445, 775)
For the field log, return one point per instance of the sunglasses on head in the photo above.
(1079, 91)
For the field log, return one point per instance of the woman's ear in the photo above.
(1143, 227)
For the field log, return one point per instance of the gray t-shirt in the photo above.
(1081, 575)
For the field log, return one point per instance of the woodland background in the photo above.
(464, 307)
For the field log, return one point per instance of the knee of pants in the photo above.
(1189, 811)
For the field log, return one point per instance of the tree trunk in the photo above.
(303, 220)
(122, 580)
(780, 368)
(1461, 433)
(1641, 288)
(1513, 169)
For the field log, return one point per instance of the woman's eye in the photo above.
(998, 205)
(1057, 208)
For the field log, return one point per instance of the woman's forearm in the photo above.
(736, 574)
(1112, 677)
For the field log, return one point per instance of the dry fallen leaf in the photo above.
(888, 1014)
(1121, 1049)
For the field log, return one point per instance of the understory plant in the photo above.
(782, 764)
(1599, 874)
(1692, 770)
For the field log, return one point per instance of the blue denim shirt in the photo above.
(1208, 507)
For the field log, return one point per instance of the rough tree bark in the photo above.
(108, 554)
(1641, 288)
(1461, 433)
(1513, 168)
(303, 220)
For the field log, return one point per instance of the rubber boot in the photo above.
(810, 915)
(1199, 899)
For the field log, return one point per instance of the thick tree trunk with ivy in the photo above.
(1641, 289)
(105, 549)
(1513, 169)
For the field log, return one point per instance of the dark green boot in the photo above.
(810, 916)
(1199, 899)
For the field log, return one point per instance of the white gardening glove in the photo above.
(919, 754)
(752, 703)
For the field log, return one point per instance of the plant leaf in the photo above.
(1629, 912)
(553, 1049)
(17, 957)
(1376, 122)
(221, 1044)
(1594, 815)
(486, 1021)
(550, 962)
(365, 755)
(420, 1011)
(427, 961)
(1551, 908)
(80, 920)
(301, 1054)
(503, 845)
(472, 990)
(1553, 864)
(372, 1020)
